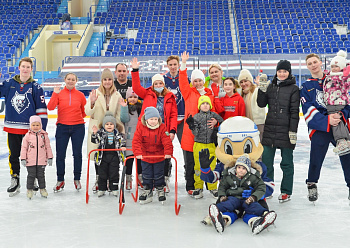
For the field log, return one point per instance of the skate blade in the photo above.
(343, 153)
(57, 190)
(283, 201)
(14, 193)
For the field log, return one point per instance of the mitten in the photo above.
(247, 193)
(190, 122)
(346, 71)
(49, 162)
(250, 199)
(23, 162)
(204, 159)
(263, 83)
(215, 89)
(223, 198)
(292, 137)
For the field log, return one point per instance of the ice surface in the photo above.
(65, 220)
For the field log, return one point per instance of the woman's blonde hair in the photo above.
(102, 89)
(216, 66)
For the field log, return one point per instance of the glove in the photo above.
(292, 137)
(250, 200)
(190, 122)
(247, 193)
(49, 162)
(204, 159)
(346, 71)
(215, 89)
(263, 83)
(23, 162)
(223, 198)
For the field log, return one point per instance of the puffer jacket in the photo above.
(202, 133)
(283, 100)
(101, 138)
(231, 185)
(36, 149)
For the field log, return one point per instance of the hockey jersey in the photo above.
(22, 100)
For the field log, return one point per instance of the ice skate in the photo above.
(43, 193)
(206, 221)
(214, 193)
(95, 187)
(59, 186)
(30, 194)
(161, 195)
(115, 193)
(283, 197)
(312, 189)
(216, 218)
(342, 148)
(35, 187)
(15, 186)
(140, 181)
(101, 193)
(146, 196)
(198, 193)
(166, 187)
(128, 182)
(259, 224)
(77, 185)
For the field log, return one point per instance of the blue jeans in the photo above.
(76, 133)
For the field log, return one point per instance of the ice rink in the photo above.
(65, 220)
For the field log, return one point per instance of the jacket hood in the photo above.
(256, 168)
(289, 81)
(18, 79)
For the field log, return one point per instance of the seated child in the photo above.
(152, 139)
(336, 96)
(35, 154)
(233, 188)
(108, 137)
(204, 137)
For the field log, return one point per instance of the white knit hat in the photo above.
(157, 77)
(340, 59)
(245, 75)
(197, 74)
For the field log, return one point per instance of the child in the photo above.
(129, 115)
(108, 137)
(232, 104)
(203, 138)
(152, 139)
(35, 154)
(236, 182)
(281, 125)
(336, 96)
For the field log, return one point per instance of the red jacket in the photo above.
(191, 96)
(151, 142)
(150, 100)
(230, 106)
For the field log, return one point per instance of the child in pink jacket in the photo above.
(35, 154)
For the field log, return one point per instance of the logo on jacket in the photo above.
(319, 98)
(20, 102)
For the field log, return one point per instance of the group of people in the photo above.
(143, 122)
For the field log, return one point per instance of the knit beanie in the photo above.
(244, 161)
(107, 73)
(130, 93)
(109, 118)
(284, 65)
(203, 99)
(34, 118)
(245, 75)
(340, 59)
(157, 77)
(151, 112)
(197, 74)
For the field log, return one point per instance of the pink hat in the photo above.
(130, 93)
(34, 118)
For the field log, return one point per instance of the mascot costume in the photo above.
(237, 136)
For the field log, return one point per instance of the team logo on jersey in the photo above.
(20, 102)
(319, 98)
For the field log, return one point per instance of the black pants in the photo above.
(130, 163)
(36, 171)
(189, 170)
(109, 170)
(14, 143)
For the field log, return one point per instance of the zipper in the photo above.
(37, 148)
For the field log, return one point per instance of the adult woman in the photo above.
(163, 100)
(250, 95)
(105, 98)
(70, 125)
(215, 76)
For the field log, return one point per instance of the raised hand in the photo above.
(57, 89)
(93, 97)
(204, 159)
(190, 122)
(184, 57)
(134, 63)
(122, 102)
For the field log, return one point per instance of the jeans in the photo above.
(76, 133)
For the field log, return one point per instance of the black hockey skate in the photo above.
(312, 189)
(216, 218)
(15, 186)
(264, 222)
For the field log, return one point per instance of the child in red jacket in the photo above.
(152, 139)
(232, 104)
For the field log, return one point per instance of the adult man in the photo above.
(122, 82)
(319, 123)
(23, 98)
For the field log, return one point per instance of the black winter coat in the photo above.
(283, 112)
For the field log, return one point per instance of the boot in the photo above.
(43, 193)
(259, 224)
(216, 218)
(146, 196)
(214, 193)
(283, 197)
(15, 186)
(128, 182)
(115, 193)
(161, 194)
(101, 193)
(29, 194)
(59, 186)
(312, 189)
(77, 184)
(198, 193)
(95, 187)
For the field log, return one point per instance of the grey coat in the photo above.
(202, 133)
